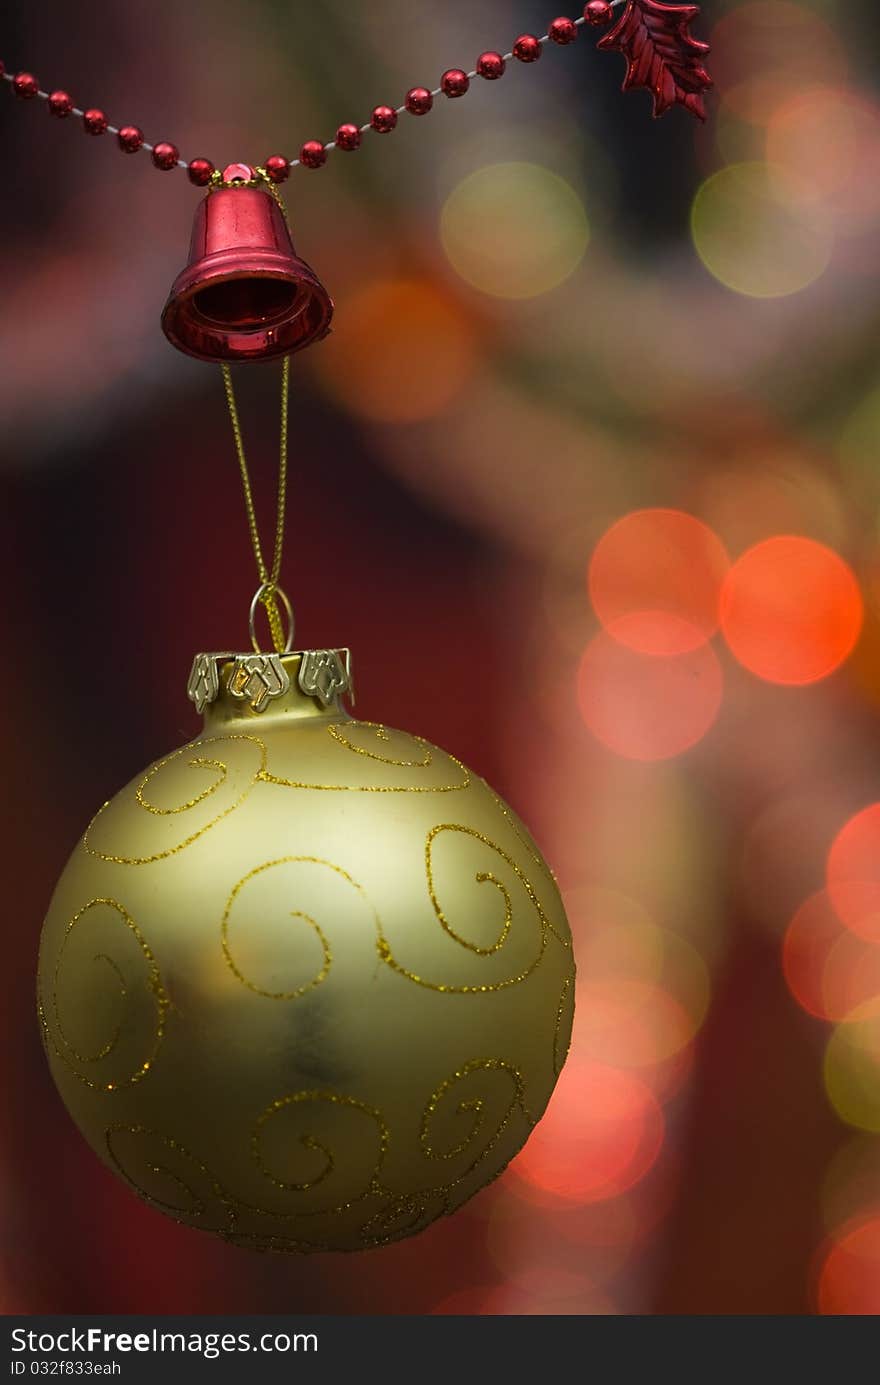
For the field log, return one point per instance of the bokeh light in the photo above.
(514, 230)
(830, 140)
(644, 706)
(829, 970)
(755, 229)
(849, 1280)
(768, 49)
(402, 351)
(664, 566)
(616, 939)
(600, 1134)
(852, 1067)
(791, 610)
(629, 1023)
(853, 873)
(642, 992)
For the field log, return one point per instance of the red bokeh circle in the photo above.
(791, 610)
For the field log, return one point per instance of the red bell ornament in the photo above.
(245, 295)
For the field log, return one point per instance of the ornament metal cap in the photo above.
(244, 295)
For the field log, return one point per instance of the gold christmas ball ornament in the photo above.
(306, 983)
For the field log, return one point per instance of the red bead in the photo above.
(562, 31)
(25, 85)
(348, 137)
(165, 155)
(597, 12)
(527, 48)
(277, 167)
(490, 66)
(200, 172)
(383, 119)
(60, 104)
(130, 139)
(418, 101)
(94, 122)
(313, 154)
(454, 82)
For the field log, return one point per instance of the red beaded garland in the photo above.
(383, 119)
(277, 167)
(454, 82)
(418, 100)
(597, 12)
(165, 155)
(313, 154)
(94, 121)
(348, 137)
(130, 139)
(527, 48)
(562, 30)
(25, 85)
(199, 171)
(60, 104)
(490, 65)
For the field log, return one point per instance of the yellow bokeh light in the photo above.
(514, 230)
(852, 1068)
(756, 232)
(616, 940)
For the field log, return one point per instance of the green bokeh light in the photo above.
(514, 230)
(752, 227)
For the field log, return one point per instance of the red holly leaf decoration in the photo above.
(661, 55)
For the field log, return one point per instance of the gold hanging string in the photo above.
(268, 576)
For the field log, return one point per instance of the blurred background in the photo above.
(593, 449)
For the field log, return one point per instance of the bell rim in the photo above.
(218, 340)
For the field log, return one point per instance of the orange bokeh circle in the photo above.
(853, 873)
(665, 566)
(831, 138)
(791, 610)
(849, 1280)
(828, 969)
(402, 352)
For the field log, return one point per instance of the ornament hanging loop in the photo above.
(269, 591)
(268, 594)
